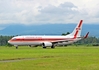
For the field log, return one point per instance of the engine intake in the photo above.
(47, 44)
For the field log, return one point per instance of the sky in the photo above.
(35, 12)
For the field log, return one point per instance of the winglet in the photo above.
(86, 35)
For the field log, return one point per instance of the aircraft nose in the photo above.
(9, 41)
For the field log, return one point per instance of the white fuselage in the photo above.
(38, 40)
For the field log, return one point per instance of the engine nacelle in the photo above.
(47, 44)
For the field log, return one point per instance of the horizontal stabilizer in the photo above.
(86, 35)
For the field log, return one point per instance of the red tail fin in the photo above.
(77, 30)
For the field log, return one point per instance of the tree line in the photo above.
(90, 40)
(4, 40)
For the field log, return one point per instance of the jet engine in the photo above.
(45, 44)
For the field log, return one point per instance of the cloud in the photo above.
(17, 11)
(64, 13)
(48, 11)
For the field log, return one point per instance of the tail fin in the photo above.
(77, 30)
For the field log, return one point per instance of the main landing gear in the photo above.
(52, 46)
(43, 45)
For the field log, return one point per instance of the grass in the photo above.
(60, 58)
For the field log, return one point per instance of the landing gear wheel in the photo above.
(16, 47)
(52, 46)
(44, 47)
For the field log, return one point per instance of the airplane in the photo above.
(46, 41)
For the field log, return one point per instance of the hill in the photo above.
(48, 29)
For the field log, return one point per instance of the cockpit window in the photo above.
(13, 38)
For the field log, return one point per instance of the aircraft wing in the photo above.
(60, 41)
